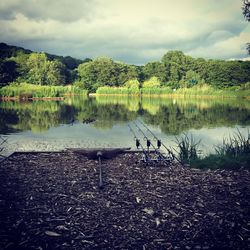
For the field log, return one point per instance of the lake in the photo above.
(102, 121)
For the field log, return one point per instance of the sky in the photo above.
(132, 31)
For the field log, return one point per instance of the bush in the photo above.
(153, 82)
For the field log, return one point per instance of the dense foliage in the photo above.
(175, 71)
(21, 65)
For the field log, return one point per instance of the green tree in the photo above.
(38, 66)
(174, 56)
(246, 9)
(41, 71)
(153, 82)
(175, 72)
(125, 73)
(200, 66)
(176, 64)
(88, 75)
(157, 69)
(55, 73)
(103, 71)
(191, 78)
(246, 13)
(227, 73)
(21, 59)
(134, 83)
(106, 71)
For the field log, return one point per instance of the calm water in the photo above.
(54, 125)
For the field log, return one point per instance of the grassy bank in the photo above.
(31, 91)
(117, 91)
(234, 153)
(196, 91)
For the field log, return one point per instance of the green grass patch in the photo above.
(199, 90)
(26, 91)
(156, 91)
(117, 91)
(188, 149)
(234, 153)
(207, 90)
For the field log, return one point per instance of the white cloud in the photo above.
(63, 10)
(235, 46)
(133, 31)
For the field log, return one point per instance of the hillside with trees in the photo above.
(21, 65)
(175, 71)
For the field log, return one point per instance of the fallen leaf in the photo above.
(62, 227)
(53, 234)
(157, 221)
(138, 200)
(149, 211)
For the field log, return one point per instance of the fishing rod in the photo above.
(159, 142)
(99, 155)
(149, 143)
(138, 144)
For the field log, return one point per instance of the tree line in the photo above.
(175, 70)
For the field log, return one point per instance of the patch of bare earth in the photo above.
(52, 201)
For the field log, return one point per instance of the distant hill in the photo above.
(7, 51)
(11, 51)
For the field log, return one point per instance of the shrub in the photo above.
(153, 82)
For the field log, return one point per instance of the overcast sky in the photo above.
(133, 31)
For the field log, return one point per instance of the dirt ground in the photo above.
(52, 201)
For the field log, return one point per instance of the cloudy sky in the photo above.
(134, 31)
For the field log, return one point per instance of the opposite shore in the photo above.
(25, 91)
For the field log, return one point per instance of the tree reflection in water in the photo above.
(172, 116)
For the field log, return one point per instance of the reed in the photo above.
(187, 148)
(235, 145)
(27, 91)
(234, 153)
(195, 92)
(207, 90)
(117, 91)
(156, 91)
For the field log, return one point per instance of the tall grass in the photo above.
(156, 91)
(207, 90)
(235, 145)
(117, 90)
(196, 91)
(24, 90)
(188, 149)
(234, 153)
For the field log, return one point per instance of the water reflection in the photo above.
(172, 116)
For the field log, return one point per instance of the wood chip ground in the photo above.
(52, 201)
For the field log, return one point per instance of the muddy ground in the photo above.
(52, 201)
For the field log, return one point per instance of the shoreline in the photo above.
(31, 99)
(180, 96)
(170, 95)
